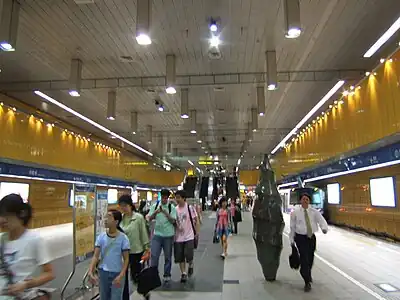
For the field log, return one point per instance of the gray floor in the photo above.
(347, 266)
(209, 267)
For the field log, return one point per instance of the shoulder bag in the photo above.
(196, 238)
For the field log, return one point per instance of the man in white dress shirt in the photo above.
(304, 222)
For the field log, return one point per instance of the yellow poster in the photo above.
(85, 197)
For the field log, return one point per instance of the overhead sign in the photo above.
(136, 163)
(203, 162)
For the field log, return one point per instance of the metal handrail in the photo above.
(73, 253)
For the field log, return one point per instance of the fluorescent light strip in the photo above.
(383, 39)
(324, 99)
(239, 161)
(287, 184)
(61, 181)
(144, 189)
(318, 178)
(97, 125)
(190, 162)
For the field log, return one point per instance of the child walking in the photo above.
(223, 225)
(111, 256)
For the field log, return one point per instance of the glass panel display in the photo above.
(382, 192)
(135, 197)
(112, 196)
(21, 189)
(333, 193)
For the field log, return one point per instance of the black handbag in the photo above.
(294, 258)
(148, 280)
(215, 237)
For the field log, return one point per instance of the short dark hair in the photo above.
(15, 205)
(126, 199)
(305, 194)
(181, 193)
(223, 199)
(165, 193)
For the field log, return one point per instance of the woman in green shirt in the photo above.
(134, 226)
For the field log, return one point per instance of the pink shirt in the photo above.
(223, 218)
(184, 230)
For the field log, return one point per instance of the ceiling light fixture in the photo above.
(261, 100)
(324, 99)
(214, 27)
(170, 74)
(383, 39)
(193, 122)
(90, 121)
(9, 25)
(75, 78)
(271, 70)
(214, 41)
(292, 18)
(111, 105)
(190, 162)
(143, 14)
(185, 103)
(254, 119)
(134, 122)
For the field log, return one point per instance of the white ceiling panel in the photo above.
(335, 35)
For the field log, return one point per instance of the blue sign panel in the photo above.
(20, 170)
(382, 155)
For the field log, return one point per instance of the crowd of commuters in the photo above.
(171, 227)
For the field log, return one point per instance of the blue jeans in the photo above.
(159, 243)
(108, 291)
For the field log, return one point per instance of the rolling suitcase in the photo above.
(148, 280)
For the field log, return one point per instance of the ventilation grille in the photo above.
(126, 59)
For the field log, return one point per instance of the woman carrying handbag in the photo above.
(22, 252)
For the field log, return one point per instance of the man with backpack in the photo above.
(164, 215)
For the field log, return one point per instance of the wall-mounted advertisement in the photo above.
(333, 190)
(149, 196)
(85, 199)
(112, 196)
(21, 189)
(101, 210)
(382, 191)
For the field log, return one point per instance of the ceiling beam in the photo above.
(185, 80)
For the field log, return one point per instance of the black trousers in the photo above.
(235, 227)
(134, 267)
(306, 247)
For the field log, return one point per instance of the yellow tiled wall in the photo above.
(370, 112)
(32, 139)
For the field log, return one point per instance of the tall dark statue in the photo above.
(268, 221)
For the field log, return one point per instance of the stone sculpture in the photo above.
(268, 221)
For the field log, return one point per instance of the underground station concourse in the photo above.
(255, 100)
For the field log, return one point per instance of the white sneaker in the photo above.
(223, 255)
